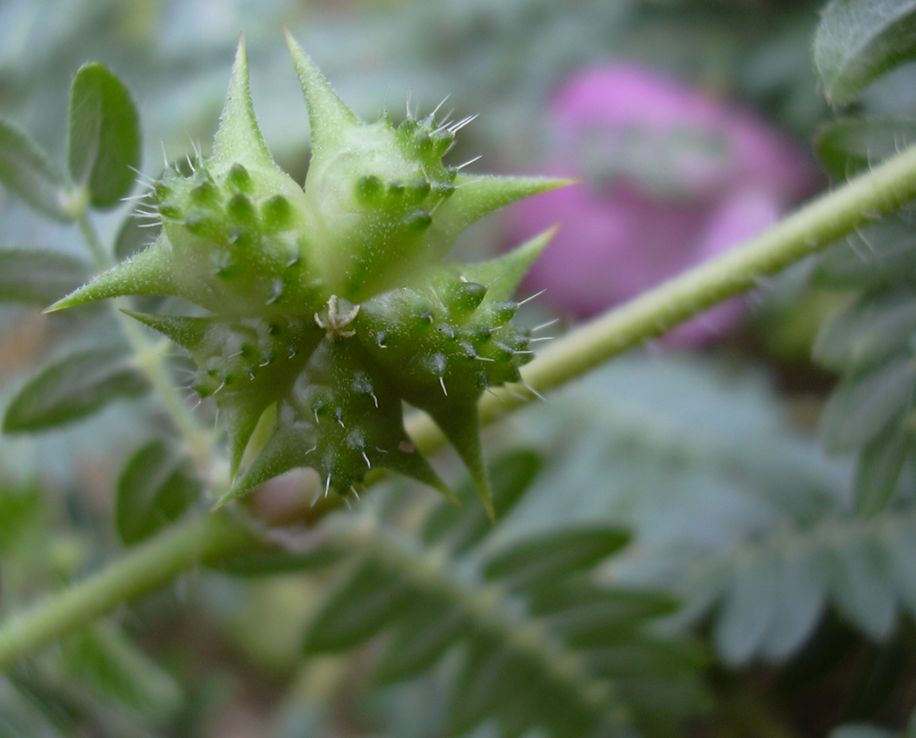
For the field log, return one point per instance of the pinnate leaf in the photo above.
(511, 473)
(878, 254)
(578, 607)
(19, 509)
(864, 404)
(878, 470)
(853, 145)
(749, 607)
(868, 331)
(862, 586)
(104, 135)
(38, 277)
(272, 559)
(105, 660)
(156, 487)
(538, 559)
(803, 575)
(366, 601)
(859, 40)
(71, 388)
(422, 636)
(25, 169)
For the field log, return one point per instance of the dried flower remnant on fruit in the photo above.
(330, 305)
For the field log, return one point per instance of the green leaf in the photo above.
(367, 601)
(156, 487)
(271, 560)
(848, 147)
(511, 475)
(524, 564)
(71, 388)
(861, 584)
(422, 636)
(864, 404)
(25, 713)
(491, 675)
(518, 670)
(37, 277)
(799, 602)
(660, 704)
(879, 254)
(578, 608)
(24, 169)
(703, 498)
(105, 660)
(898, 545)
(104, 135)
(641, 656)
(19, 508)
(868, 331)
(749, 607)
(878, 471)
(859, 40)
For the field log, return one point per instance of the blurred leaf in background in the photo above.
(781, 578)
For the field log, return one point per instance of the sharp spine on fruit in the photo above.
(467, 120)
(441, 103)
(469, 162)
(532, 297)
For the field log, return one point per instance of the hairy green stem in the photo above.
(810, 229)
(94, 244)
(835, 214)
(148, 357)
(146, 567)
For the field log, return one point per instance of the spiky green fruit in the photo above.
(331, 305)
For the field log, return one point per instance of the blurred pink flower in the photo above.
(670, 177)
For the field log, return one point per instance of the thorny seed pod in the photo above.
(332, 304)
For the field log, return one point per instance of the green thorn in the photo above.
(460, 423)
(147, 273)
(238, 136)
(187, 331)
(285, 450)
(503, 274)
(241, 420)
(478, 195)
(328, 114)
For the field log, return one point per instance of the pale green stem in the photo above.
(836, 214)
(808, 230)
(144, 568)
(87, 231)
(148, 356)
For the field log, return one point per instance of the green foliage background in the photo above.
(726, 537)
